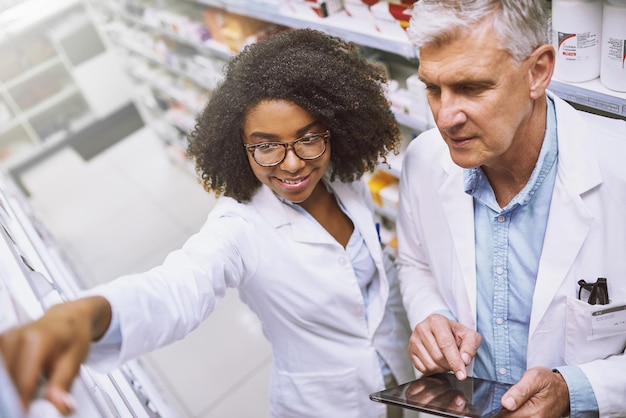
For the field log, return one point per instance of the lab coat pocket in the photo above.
(319, 394)
(593, 331)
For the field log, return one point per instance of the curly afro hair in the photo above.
(322, 74)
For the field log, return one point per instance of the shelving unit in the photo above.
(592, 94)
(173, 70)
(56, 79)
(34, 275)
(37, 87)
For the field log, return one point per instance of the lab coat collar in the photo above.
(279, 214)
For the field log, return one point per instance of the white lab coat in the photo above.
(300, 283)
(585, 239)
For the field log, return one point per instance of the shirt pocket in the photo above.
(319, 394)
(585, 336)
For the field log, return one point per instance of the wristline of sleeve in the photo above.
(567, 413)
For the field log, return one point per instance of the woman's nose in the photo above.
(291, 162)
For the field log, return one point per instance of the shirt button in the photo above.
(499, 321)
(342, 261)
(501, 218)
(502, 370)
(499, 270)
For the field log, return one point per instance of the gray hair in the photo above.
(521, 25)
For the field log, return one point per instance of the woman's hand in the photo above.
(54, 346)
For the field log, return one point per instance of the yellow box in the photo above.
(379, 180)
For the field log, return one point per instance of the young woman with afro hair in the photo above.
(285, 140)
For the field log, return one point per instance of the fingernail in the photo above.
(64, 398)
(508, 403)
(460, 375)
(466, 358)
(69, 401)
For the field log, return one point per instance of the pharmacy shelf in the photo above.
(591, 94)
(34, 71)
(34, 275)
(339, 24)
(53, 64)
(210, 47)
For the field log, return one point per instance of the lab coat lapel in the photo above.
(362, 216)
(458, 210)
(578, 172)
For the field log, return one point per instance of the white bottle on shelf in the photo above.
(577, 26)
(613, 61)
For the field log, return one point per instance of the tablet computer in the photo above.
(444, 395)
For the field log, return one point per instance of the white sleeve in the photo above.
(166, 303)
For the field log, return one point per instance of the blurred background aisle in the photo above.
(122, 212)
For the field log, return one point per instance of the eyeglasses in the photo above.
(595, 293)
(307, 147)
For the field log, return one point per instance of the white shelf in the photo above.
(31, 288)
(52, 55)
(339, 24)
(30, 13)
(136, 49)
(33, 72)
(211, 47)
(51, 101)
(592, 94)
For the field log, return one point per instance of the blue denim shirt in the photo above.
(509, 242)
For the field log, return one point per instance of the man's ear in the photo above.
(541, 67)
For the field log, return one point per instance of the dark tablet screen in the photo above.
(444, 395)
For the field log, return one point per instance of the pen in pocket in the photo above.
(596, 293)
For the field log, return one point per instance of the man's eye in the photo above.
(472, 89)
(432, 89)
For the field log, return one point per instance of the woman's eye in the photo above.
(266, 147)
(309, 139)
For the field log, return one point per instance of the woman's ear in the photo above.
(540, 70)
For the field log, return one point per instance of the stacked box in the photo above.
(232, 29)
(320, 8)
(360, 10)
(378, 181)
(392, 17)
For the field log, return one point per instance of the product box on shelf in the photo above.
(360, 10)
(232, 29)
(389, 195)
(418, 107)
(319, 8)
(378, 181)
(392, 17)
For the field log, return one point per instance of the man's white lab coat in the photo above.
(585, 239)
